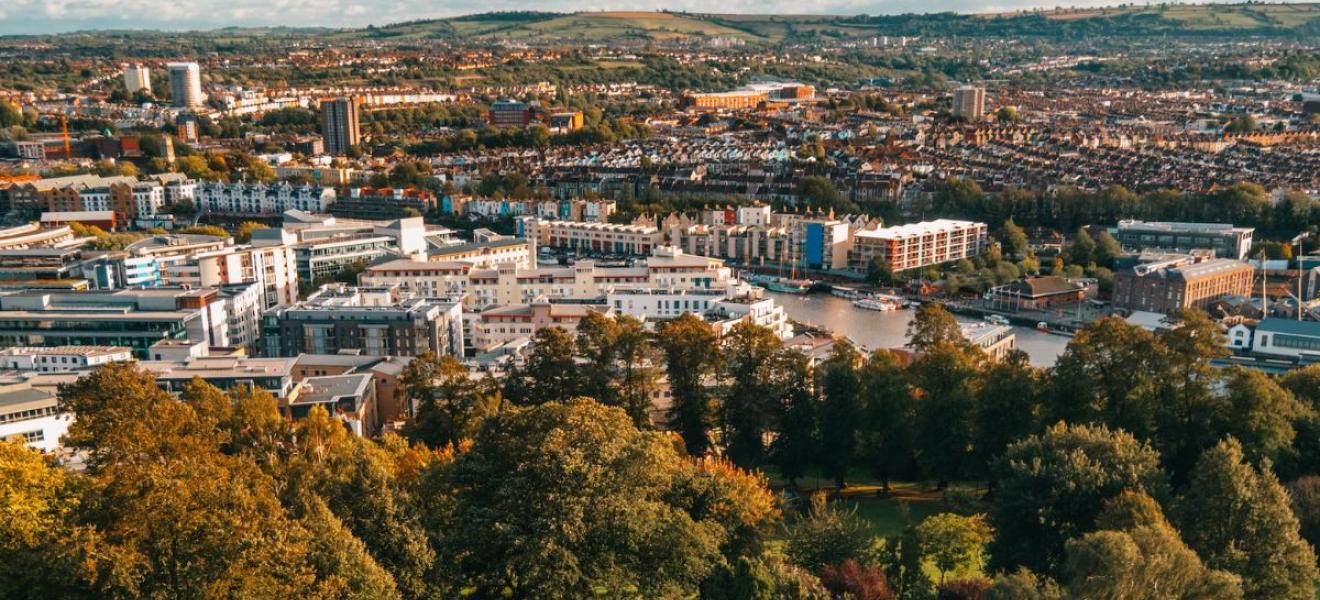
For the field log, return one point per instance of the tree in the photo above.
(887, 417)
(211, 230)
(962, 589)
(955, 544)
(40, 550)
(750, 392)
(620, 363)
(930, 325)
(1014, 240)
(1186, 414)
(571, 500)
(827, 535)
(1053, 485)
(551, 374)
(243, 234)
(1022, 585)
(1305, 496)
(1109, 374)
(849, 579)
(839, 411)
(450, 405)
(879, 273)
(1238, 519)
(1260, 414)
(692, 354)
(796, 441)
(1106, 248)
(945, 378)
(1136, 553)
(1007, 407)
(1082, 250)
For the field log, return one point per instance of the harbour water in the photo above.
(872, 329)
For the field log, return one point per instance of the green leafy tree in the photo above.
(692, 354)
(827, 535)
(1082, 249)
(796, 414)
(450, 404)
(1110, 374)
(887, 418)
(1106, 248)
(932, 324)
(551, 373)
(1136, 553)
(840, 389)
(571, 500)
(955, 544)
(1238, 519)
(1014, 240)
(750, 391)
(1052, 487)
(243, 234)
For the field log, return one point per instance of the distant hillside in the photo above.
(1174, 19)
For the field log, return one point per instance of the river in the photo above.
(872, 329)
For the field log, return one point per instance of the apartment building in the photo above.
(137, 78)
(382, 203)
(969, 103)
(918, 245)
(262, 200)
(186, 84)
(274, 269)
(1172, 284)
(1224, 239)
(370, 321)
(604, 238)
(510, 113)
(339, 124)
(323, 258)
(486, 253)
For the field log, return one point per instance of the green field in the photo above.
(1207, 16)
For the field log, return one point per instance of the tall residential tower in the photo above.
(186, 84)
(137, 78)
(339, 124)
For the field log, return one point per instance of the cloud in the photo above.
(51, 16)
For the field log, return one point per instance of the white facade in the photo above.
(61, 358)
(137, 78)
(32, 415)
(261, 199)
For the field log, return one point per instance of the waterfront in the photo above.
(872, 329)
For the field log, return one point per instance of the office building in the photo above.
(186, 85)
(135, 319)
(509, 113)
(1174, 283)
(1226, 240)
(969, 103)
(61, 358)
(339, 124)
(137, 78)
(1287, 338)
(918, 245)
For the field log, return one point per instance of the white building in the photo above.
(1286, 338)
(32, 415)
(61, 358)
(969, 103)
(137, 78)
(259, 199)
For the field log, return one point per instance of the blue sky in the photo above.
(48, 16)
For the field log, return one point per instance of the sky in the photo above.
(54, 16)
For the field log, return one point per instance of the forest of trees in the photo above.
(1132, 469)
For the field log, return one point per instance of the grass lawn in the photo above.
(907, 504)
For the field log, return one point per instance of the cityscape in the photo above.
(981, 305)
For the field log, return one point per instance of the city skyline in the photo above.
(35, 17)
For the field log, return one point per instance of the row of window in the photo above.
(28, 415)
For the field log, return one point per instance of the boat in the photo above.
(845, 292)
(997, 320)
(1043, 326)
(874, 303)
(787, 286)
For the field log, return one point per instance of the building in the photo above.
(367, 320)
(137, 78)
(918, 245)
(32, 415)
(969, 103)
(349, 398)
(186, 85)
(1226, 240)
(486, 253)
(996, 340)
(503, 324)
(386, 375)
(382, 203)
(750, 96)
(567, 121)
(339, 124)
(1172, 284)
(133, 319)
(1041, 293)
(261, 199)
(601, 238)
(61, 358)
(510, 113)
(324, 258)
(1287, 338)
(274, 375)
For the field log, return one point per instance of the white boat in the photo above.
(996, 320)
(874, 304)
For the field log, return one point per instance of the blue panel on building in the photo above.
(815, 250)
